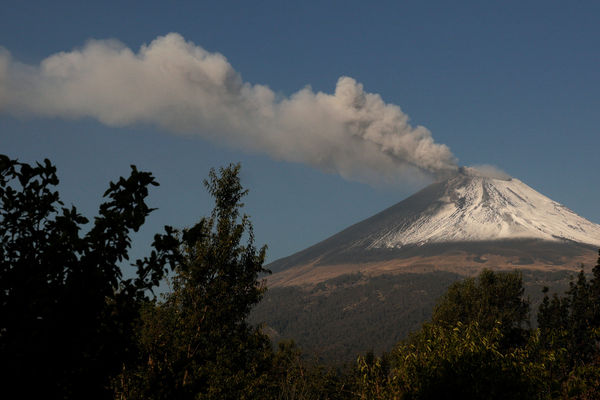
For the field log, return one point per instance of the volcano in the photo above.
(370, 285)
(463, 224)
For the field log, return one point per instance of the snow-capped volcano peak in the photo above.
(476, 206)
(480, 217)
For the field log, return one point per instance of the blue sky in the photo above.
(512, 84)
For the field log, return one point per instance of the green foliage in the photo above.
(448, 358)
(466, 361)
(595, 293)
(197, 341)
(374, 378)
(570, 327)
(583, 382)
(491, 297)
(67, 314)
(294, 377)
(566, 322)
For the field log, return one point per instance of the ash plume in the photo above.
(182, 88)
(485, 171)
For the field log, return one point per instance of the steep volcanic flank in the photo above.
(461, 225)
(368, 286)
(475, 208)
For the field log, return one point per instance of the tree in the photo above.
(490, 298)
(197, 341)
(568, 322)
(466, 361)
(295, 377)
(374, 379)
(476, 346)
(67, 314)
(595, 293)
(569, 326)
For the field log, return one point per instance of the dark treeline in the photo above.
(73, 326)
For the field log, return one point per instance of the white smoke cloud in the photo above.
(185, 89)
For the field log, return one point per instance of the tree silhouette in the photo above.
(197, 341)
(67, 314)
(490, 298)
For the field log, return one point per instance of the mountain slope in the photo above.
(468, 219)
(476, 208)
(374, 282)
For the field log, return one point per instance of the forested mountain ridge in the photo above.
(355, 313)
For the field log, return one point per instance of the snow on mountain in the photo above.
(496, 220)
(473, 207)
